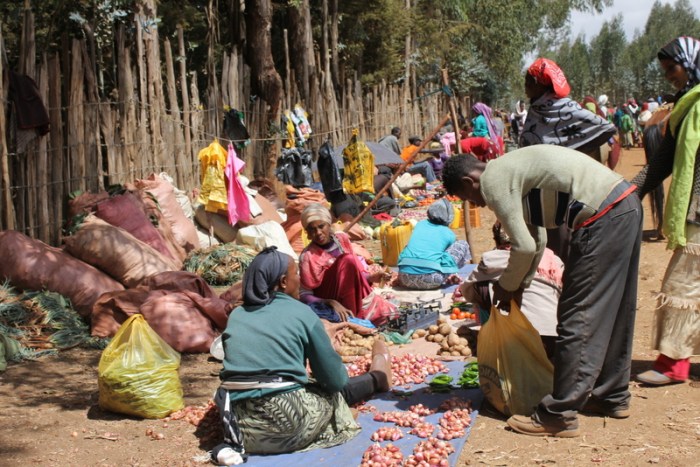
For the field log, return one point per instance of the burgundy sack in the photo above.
(127, 211)
(177, 318)
(33, 265)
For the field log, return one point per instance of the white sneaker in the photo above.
(227, 456)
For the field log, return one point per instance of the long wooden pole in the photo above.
(465, 205)
(398, 172)
(8, 208)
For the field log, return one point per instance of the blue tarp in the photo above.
(350, 453)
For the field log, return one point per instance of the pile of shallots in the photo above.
(407, 369)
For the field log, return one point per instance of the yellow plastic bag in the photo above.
(358, 162)
(137, 374)
(514, 371)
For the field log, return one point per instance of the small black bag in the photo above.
(328, 170)
(294, 167)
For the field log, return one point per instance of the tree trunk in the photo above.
(335, 60)
(302, 48)
(267, 82)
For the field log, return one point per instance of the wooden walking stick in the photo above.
(398, 172)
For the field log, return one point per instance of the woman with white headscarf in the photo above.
(676, 333)
(266, 400)
(330, 272)
(433, 255)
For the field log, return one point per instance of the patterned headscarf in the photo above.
(441, 212)
(546, 72)
(262, 276)
(685, 51)
(315, 212)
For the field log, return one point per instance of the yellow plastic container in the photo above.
(458, 220)
(393, 241)
(474, 218)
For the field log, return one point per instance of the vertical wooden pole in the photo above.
(42, 162)
(189, 157)
(175, 125)
(465, 204)
(57, 151)
(8, 210)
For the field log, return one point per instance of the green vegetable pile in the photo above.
(441, 383)
(470, 376)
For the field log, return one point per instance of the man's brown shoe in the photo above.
(381, 365)
(528, 426)
(597, 407)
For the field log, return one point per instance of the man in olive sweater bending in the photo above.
(543, 186)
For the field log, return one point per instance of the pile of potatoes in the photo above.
(354, 344)
(450, 343)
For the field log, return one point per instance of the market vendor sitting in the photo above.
(433, 254)
(540, 298)
(330, 270)
(267, 401)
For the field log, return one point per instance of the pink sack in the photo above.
(183, 228)
(127, 211)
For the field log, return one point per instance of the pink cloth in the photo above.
(315, 262)
(448, 140)
(678, 370)
(345, 283)
(238, 204)
(550, 268)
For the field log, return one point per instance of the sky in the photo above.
(634, 17)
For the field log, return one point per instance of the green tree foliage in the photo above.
(483, 43)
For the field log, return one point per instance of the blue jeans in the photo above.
(425, 170)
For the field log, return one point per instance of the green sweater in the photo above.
(540, 187)
(277, 340)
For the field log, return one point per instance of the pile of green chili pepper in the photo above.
(470, 376)
(441, 383)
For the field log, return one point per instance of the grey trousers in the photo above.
(593, 351)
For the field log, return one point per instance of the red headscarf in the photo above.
(547, 72)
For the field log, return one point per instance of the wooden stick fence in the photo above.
(157, 121)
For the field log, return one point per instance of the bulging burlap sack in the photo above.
(33, 265)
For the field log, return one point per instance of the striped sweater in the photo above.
(538, 187)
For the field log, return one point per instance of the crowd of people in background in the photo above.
(556, 190)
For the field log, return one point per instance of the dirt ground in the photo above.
(49, 414)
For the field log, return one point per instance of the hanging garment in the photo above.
(238, 204)
(302, 123)
(212, 162)
(235, 129)
(290, 130)
(30, 110)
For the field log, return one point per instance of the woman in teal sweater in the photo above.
(433, 254)
(267, 402)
